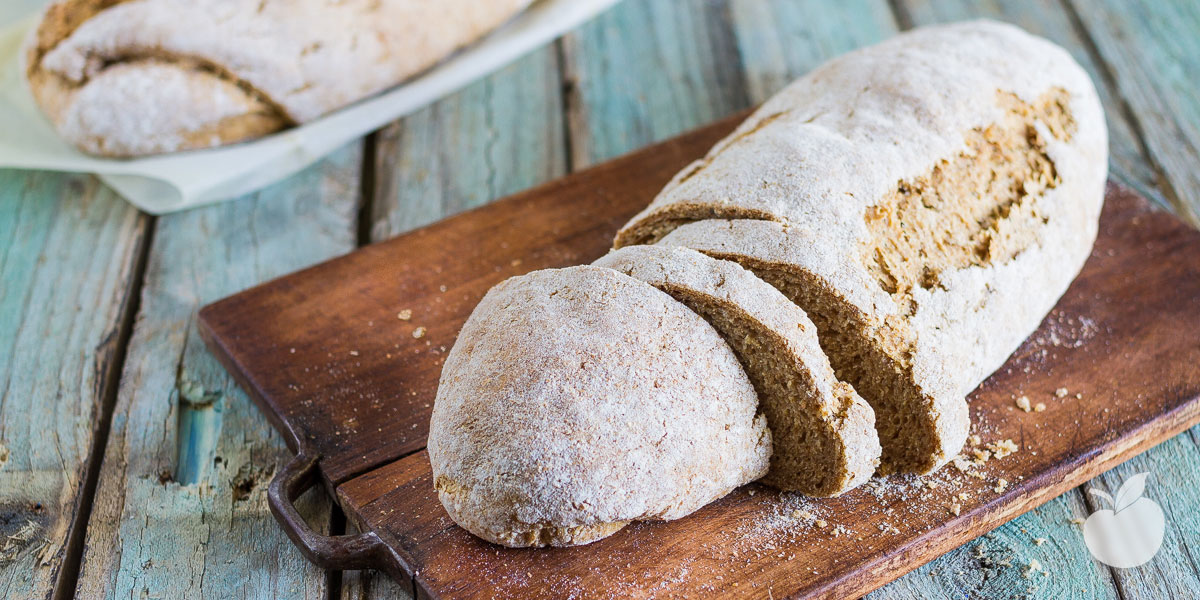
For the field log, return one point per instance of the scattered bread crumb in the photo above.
(442, 288)
(955, 509)
(419, 332)
(1023, 403)
(1039, 541)
(1034, 567)
(802, 514)
(974, 440)
(981, 456)
(1061, 393)
(822, 523)
(1039, 407)
(1078, 521)
(1003, 448)
(404, 315)
(1001, 485)
(354, 353)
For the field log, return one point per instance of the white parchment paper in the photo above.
(162, 184)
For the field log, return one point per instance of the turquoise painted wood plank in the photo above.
(1173, 467)
(647, 70)
(1039, 555)
(180, 509)
(1153, 50)
(781, 40)
(497, 136)
(373, 585)
(1048, 18)
(68, 250)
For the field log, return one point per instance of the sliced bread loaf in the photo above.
(823, 434)
(577, 400)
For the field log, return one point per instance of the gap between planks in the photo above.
(69, 570)
(68, 573)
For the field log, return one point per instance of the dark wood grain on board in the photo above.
(326, 357)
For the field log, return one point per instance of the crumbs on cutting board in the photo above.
(884, 506)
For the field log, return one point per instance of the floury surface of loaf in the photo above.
(577, 400)
(823, 434)
(926, 201)
(136, 77)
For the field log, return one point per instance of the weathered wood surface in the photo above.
(180, 508)
(627, 83)
(1173, 467)
(496, 137)
(648, 70)
(1152, 49)
(1115, 338)
(68, 252)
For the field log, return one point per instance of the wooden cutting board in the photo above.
(344, 358)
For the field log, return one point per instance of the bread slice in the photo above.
(926, 201)
(921, 418)
(135, 77)
(823, 434)
(577, 400)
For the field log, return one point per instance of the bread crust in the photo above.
(136, 77)
(576, 400)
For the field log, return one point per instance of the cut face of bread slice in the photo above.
(921, 417)
(577, 400)
(823, 434)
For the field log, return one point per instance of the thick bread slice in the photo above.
(823, 434)
(926, 201)
(268, 64)
(576, 400)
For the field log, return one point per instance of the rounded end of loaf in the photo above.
(576, 400)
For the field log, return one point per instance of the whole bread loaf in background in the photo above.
(925, 201)
(137, 77)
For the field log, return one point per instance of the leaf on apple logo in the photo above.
(1102, 494)
(1130, 491)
